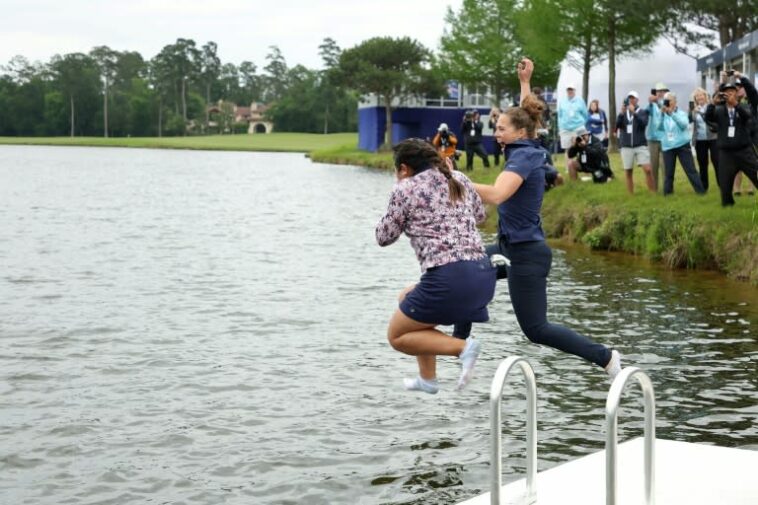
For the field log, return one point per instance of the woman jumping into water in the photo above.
(518, 192)
(438, 209)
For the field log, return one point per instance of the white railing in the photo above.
(496, 393)
(611, 441)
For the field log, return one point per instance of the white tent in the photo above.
(640, 73)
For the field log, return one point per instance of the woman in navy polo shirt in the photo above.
(518, 193)
(438, 209)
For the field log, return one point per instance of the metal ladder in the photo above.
(611, 424)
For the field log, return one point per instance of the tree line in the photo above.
(119, 93)
(107, 92)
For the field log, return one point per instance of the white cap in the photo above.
(442, 128)
(634, 94)
(571, 85)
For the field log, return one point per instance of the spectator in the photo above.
(703, 138)
(445, 142)
(746, 90)
(630, 129)
(543, 129)
(587, 154)
(494, 114)
(673, 127)
(572, 115)
(472, 135)
(652, 133)
(597, 122)
(736, 150)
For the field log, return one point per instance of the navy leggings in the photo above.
(527, 284)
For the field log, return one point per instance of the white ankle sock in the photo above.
(420, 384)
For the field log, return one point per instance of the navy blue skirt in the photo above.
(454, 293)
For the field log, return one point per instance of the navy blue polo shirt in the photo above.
(520, 219)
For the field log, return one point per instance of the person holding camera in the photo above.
(631, 124)
(472, 136)
(572, 115)
(652, 134)
(703, 138)
(587, 154)
(673, 126)
(745, 91)
(445, 141)
(734, 123)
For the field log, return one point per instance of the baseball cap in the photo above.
(442, 128)
(634, 94)
(571, 85)
(581, 131)
(727, 85)
(661, 87)
(738, 82)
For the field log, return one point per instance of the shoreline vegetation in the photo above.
(684, 230)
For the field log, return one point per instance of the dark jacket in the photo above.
(595, 160)
(752, 99)
(467, 127)
(639, 123)
(743, 125)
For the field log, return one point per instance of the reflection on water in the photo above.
(198, 327)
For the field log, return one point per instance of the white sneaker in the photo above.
(468, 360)
(613, 368)
(420, 384)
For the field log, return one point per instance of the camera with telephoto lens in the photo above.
(666, 102)
(444, 138)
(653, 91)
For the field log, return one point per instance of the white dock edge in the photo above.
(686, 474)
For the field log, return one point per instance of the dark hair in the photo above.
(528, 115)
(419, 156)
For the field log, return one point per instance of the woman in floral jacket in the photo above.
(438, 209)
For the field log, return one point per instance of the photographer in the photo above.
(673, 126)
(736, 150)
(630, 129)
(591, 155)
(745, 90)
(652, 133)
(445, 142)
(472, 136)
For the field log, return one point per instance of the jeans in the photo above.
(684, 153)
(527, 284)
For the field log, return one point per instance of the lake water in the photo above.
(209, 327)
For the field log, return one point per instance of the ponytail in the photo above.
(420, 155)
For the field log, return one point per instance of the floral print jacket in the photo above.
(440, 231)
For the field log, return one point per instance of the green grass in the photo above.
(281, 142)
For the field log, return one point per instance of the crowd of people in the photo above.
(721, 128)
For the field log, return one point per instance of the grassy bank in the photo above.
(274, 142)
(684, 230)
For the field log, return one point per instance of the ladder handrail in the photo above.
(496, 393)
(611, 441)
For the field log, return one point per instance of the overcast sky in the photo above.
(243, 29)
